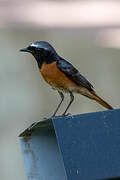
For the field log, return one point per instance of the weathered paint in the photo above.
(42, 159)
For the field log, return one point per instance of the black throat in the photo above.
(42, 59)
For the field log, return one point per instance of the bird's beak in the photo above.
(25, 50)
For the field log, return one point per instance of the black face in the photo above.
(42, 51)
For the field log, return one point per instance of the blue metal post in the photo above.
(89, 147)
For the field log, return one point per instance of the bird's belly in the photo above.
(57, 79)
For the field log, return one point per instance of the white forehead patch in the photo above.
(34, 45)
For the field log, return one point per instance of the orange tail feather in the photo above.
(101, 101)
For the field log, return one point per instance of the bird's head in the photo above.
(42, 51)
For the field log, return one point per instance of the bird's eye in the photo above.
(33, 49)
(30, 48)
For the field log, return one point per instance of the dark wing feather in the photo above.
(72, 73)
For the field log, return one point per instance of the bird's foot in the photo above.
(68, 114)
(63, 115)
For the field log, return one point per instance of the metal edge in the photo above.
(42, 124)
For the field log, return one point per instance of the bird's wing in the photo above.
(72, 73)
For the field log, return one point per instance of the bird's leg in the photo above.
(62, 98)
(71, 100)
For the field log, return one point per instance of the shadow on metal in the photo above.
(118, 178)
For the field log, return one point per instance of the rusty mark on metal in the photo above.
(33, 167)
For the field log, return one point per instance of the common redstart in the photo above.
(61, 75)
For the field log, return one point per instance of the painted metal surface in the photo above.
(42, 159)
(90, 145)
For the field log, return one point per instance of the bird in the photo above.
(61, 75)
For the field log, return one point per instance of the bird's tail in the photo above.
(100, 100)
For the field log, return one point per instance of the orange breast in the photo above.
(53, 76)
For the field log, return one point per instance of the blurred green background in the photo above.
(86, 33)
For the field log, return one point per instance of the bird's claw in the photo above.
(68, 114)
